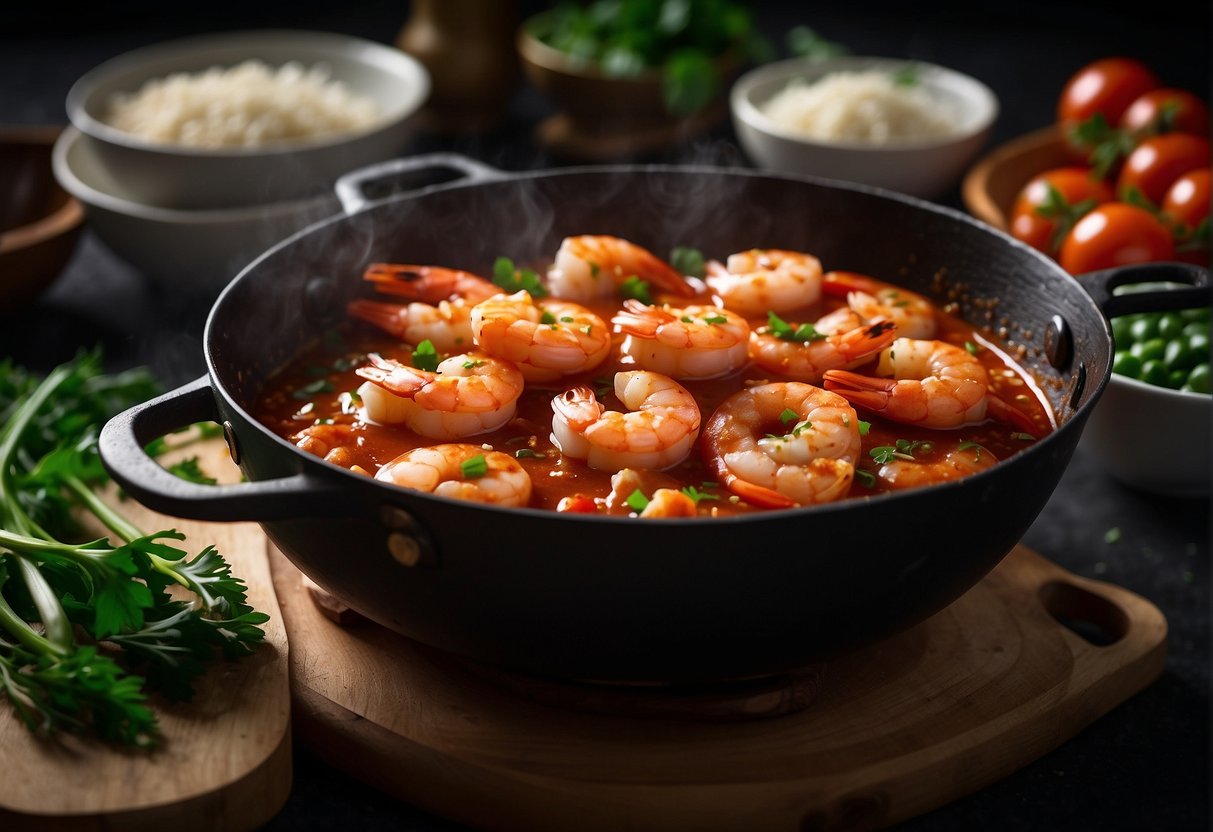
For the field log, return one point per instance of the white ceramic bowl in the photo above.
(922, 167)
(1152, 438)
(172, 176)
(204, 248)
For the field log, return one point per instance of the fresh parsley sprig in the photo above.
(80, 620)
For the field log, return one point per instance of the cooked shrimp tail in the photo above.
(447, 325)
(429, 284)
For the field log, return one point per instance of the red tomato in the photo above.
(1187, 206)
(1115, 234)
(1187, 200)
(1107, 86)
(1160, 160)
(1166, 111)
(577, 504)
(1050, 204)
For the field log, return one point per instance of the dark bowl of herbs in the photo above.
(620, 65)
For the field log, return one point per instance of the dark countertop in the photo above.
(1145, 765)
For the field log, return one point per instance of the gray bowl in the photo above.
(204, 249)
(178, 177)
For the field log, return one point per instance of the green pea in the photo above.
(1153, 348)
(1196, 328)
(1170, 325)
(1200, 313)
(1199, 343)
(1155, 372)
(1120, 331)
(1144, 328)
(1127, 364)
(1176, 379)
(1178, 356)
(1198, 378)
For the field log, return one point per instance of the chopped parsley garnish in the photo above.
(900, 449)
(636, 501)
(789, 415)
(687, 319)
(715, 319)
(971, 347)
(189, 470)
(696, 495)
(865, 478)
(971, 446)
(425, 356)
(566, 319)
(782, 330)
(527, 453)
(637, 289)
(547, 319)
(474, 468)
(472, 364)
(864, 427)
(906, 76)
(1112, 535)
(349, 401)
(687, 261)
(513, 279)
(321, 385)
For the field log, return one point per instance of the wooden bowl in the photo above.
(606, 117)
(39, 221)
(991, 186)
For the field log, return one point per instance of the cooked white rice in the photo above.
(247, 105)
(869, 107)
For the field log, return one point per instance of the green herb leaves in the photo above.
(474, 467)
(900, 449)
(513, 279)
(688, 261)
(425, 356)
(784, 331)
(101, 612)
(635, 288)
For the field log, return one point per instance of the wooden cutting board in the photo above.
(891, 731)
(225, 762)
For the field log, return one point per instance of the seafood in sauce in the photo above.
(606, 382)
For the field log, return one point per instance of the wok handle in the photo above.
(122, 445)
(351, 188)
(1100, 286)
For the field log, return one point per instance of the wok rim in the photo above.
(972, 224)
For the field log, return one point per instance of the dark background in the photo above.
(1144, 766)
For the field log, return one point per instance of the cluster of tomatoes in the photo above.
(1139, 188)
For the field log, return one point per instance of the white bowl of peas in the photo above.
(1152, 427)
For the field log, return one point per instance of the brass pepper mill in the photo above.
(468, 48)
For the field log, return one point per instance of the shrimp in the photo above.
(332, 443)
(658, 432)
(874, 300)
(810, 461)
(668, 502)
(967, 458)
(546, 340)
(429, 283)
(763, 280)
(594, 265)
(462, 472)
(932, 384)
(448, 325)
(441, 308)
(469, 394)
(689, 343)
(838, 340)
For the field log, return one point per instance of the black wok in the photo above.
(605, 597)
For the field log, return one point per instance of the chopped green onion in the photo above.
(637, 501)
(971, 347)
(425, 356)
(788, 415)
(782, 330)
(865, 478)
(637, 289)
(971, 446)
(566, 319)
(547, 318)
(864, 427)
(308, 390)
(525, 453)
(715, 319)
(474, 468)
(696, 495)
(512, 279)
(687, 261)
(472, 364)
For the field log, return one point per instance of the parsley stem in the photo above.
(111, 519)
(55, 623)
(25, 634)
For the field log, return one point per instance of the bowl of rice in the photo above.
(246, 118)
(903, 125)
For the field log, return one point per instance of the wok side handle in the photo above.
(1101, 285)
(351, 188)
(122, 446)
